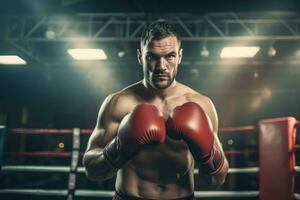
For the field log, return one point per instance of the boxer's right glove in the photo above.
(144, 125)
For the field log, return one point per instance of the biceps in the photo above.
(213, 116)
(101, 136)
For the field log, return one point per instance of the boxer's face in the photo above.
(160, 59)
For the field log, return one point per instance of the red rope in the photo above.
(239, 152)
(68, 154)
(237, 129)
(41, 154)
(86, 131)
(41, 131)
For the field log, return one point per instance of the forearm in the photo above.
(96, 166)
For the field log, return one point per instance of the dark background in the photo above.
(68, 94)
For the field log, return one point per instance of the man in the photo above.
(152, 133)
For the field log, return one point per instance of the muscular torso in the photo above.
(159, 171)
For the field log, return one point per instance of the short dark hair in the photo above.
(158, 30)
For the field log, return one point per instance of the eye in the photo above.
(171, 56)
(149, 57)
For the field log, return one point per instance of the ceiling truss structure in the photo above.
(24, 32)
(127, 27)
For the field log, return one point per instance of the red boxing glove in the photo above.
(190, 123)
(144, 125)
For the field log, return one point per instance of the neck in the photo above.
(160, 93)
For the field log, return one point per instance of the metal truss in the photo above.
(26, 33)
(127, 27)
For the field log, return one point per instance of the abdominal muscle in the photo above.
(163, 171)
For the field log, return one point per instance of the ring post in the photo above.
(2, 138)
(277, 158)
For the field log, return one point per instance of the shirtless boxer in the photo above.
(153, 133)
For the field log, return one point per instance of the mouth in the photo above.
(161, 76)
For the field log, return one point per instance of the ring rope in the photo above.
(240, 152)
(48, 131)
(243, 170)
(89, 131)
(46, 154)
(102, 193)
(35, 168)
(68, 154)
(237, 129)
(65, 169)
(238, 170)
(208, 194)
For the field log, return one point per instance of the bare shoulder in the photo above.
(121, 103)
(199, 98)
(192, 95)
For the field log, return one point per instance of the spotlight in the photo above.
(255, 75)
(272, 51)
(204, 52)
(61, 145)
(87, 54)
(50, 34)
(11, 60)
(239, 52)
(121, 54)
(230, 142)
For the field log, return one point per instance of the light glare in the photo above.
(11, 60)
(87, 54)
(239, 52)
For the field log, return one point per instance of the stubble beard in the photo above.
(161, 84)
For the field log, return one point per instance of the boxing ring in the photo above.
(276, 171)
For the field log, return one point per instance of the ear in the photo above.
(180, 56)
(139, 56)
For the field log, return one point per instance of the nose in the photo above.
(161, 64)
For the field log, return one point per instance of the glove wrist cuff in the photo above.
(114, 154)
(213, 163)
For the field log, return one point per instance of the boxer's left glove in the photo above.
(144, 125)
(190, 123)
